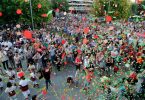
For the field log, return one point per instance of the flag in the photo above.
(143, 6)
(49, 12)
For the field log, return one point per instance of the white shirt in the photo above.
(1, 84)
(12, 88)
(9, 44)
(4, 56)
(17, 59)
(23, 82)
(31, 67)
(10, 73)
(32, 75)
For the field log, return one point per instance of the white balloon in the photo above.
(64, 13)
(18, 26)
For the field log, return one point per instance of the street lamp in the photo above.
(133, 1)
(31, 15)
(109, 6)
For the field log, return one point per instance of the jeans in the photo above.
(46, 82)
(12, 62)
(52, 59)
(5, 64)
(19, 65)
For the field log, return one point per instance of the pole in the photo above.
(31, 15)
(109, 6)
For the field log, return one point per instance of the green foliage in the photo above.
(62, 5)
(138, 8)
(115, 8)
(9, 7)
(134, 8)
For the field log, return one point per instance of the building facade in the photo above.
(80, 5)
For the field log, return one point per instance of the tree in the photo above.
(62, 5)
(115, 8)
(138, 9)
(134, 8)
(9, 8)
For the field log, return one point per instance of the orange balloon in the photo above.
(85, 41)
(86, 30)
(27, 34)
(139, 60)
(108, 18)
(19, 11)
(44, 15)
(39, 6)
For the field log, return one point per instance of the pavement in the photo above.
(58, 91)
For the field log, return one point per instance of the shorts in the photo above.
(78, 67)
(26, 93)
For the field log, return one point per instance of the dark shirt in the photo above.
(46, 75)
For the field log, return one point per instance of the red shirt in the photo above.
(77, 60)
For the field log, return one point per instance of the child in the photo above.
(31, 67)
(77, 77)
(24, 85)
(11, 91)
(34, 97)
(1, 85)
(88, 78)
(33, 78)
(70, 80)
(11, 73)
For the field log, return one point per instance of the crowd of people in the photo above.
(98, 51)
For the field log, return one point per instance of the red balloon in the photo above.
(96, 36)
(21, 74)
(63, 41)
(63, 97)
(133, 75)
(79, 51)
(57, 10)
(44, 15)
(27, 34)
(108, 18)
(116, 69)
(39, 6)
(141, 35)
(65, 63)
(84, 18)
(63, 55)
(1, 14)
(32, 40)
(44, 92)
(19, 11)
